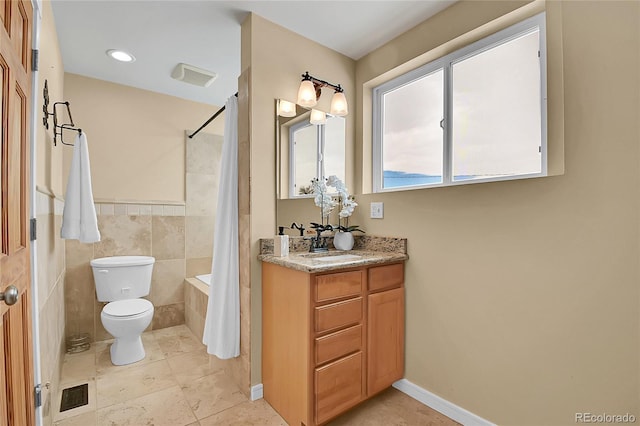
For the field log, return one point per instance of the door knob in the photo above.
(10, 295)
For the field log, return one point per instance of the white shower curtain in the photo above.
(222, 326)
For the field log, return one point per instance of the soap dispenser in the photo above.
(281, 243)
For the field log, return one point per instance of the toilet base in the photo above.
(127, 350)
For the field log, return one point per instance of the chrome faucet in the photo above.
(319, 243)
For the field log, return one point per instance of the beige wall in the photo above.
(50, 248)
(522, 296)
(136, 138)
(49, 158)
(276, 59)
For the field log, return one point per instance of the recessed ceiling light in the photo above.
(121, 55)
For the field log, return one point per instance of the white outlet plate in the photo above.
(377, 210)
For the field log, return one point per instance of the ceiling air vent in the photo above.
(193, 75)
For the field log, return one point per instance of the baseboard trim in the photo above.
(439, 404)
(256, 392)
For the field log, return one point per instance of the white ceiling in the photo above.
(160, 34)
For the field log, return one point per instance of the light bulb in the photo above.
(307, 94)
(339, 104)
(286, 108)
(317, 117)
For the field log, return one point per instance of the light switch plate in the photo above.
(377, 210)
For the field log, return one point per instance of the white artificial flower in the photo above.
(322, 199)
(348, 204)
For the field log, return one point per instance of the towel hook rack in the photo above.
(58, 129)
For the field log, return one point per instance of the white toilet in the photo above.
(122, 281)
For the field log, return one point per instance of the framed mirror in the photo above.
(306, 151)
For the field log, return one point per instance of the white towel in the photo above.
(79, 220)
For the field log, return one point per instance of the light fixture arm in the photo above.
(319, 84)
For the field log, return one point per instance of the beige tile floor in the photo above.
(179, 384)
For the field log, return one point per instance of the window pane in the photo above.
(306, 158)
(412, 136)
(496, 111)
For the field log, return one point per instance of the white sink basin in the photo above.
(337, 258)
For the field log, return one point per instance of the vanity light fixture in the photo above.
(120, 55)
(318, 117)
(311, 89)
(286, 108)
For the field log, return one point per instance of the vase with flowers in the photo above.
(343, 238)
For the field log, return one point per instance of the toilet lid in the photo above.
(128, 307)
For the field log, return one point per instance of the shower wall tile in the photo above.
(141, 234)
(199, 236)
(44, 250)
(157, 210)
(77, 253)
(202, 194)
(195, 322)
(204, 153)
(240, 367)
(167, 283)
(245, 320)
(100, 332)
(59, 247)
(168, 237)
(52, 345)
(120, 209)
(133, 209)
(168, 316)
(79, 295)
(124, 235)
(171, 210)
(243, 178)
(146, 210)
(198, 266)
(51, 294)
(107, 209)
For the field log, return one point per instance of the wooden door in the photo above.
(16, 349)
(385, 342)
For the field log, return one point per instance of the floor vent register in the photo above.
(74, 397)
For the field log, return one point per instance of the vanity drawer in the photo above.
(338, 386)
(341, 284)
(336, 315)
(386, 277)
(338, 344)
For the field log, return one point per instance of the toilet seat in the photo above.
(127, 308)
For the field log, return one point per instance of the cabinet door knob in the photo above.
(10, 295)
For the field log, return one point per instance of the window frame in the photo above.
(445, 63)
(292, 155)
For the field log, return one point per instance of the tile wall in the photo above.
(156, 230)
(51, 313)
(203, 162)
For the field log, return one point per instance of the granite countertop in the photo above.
(309, 262)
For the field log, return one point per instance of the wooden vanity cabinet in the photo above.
(330, 340)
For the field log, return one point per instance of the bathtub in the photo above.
(196, 299)
(205, 278)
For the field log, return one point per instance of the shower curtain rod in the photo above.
(213, 117)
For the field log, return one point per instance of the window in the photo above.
(315, 151)
(475, 115)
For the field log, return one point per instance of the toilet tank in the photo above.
(122, 277)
